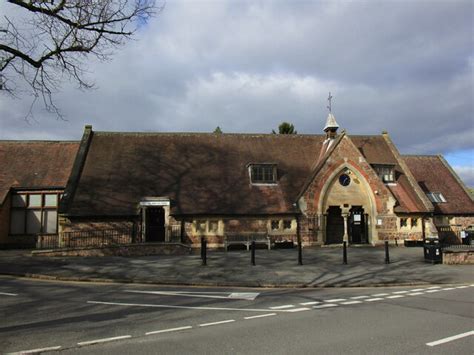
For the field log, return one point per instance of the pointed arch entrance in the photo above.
(348, 206)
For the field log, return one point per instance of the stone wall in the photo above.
(454, 257)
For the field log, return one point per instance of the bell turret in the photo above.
(331, 125)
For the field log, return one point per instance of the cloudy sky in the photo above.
(401, 66)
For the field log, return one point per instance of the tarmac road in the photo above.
(116, 318)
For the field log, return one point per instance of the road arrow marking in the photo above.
(248, 296)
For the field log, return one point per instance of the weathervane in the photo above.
(329, 100)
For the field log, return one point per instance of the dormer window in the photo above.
(385, 172)
(263, 173)
(436, 197)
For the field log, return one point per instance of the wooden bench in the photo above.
(246, 238)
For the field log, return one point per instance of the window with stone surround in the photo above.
(281, 226)
(208, 227)
(263, 173)
(414, 222)
(34, 212)
(385, 172)
(275, 224)
(287, 224)
(403, 222)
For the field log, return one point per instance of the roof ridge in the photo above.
(102, 133)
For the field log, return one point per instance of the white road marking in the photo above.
(282, 307)
(298, 310)
(431, 291)
(351, 302)
(8, 294)
(417, 290)
(327, 305)
(448, 339)
(462, 286)
(103, 340)
(309, 303)
(168, 330)
(180, 307)
(448, 288)
(415, 293)
(395, 296)
(336, 300)
(36, 351)
(358, 297)
(216, 323)
(433, 287)
(249, 296)
(373, 299)
(380, 294)
(400, 292)
(261, 316)
(472, 285)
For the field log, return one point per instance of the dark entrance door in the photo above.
(357, 225)
(334, 226)
(155, 224)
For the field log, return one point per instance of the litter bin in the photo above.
(432, 250)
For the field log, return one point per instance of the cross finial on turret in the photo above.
(329, 101)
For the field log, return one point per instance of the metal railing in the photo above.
(83, 239)
(100, 238)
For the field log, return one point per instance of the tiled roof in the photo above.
(435, 175)
(35, 164)
(376, 150)
(200, 173)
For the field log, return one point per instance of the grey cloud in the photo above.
(405, 67)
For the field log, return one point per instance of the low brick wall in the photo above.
(456, 257)
(121, 250)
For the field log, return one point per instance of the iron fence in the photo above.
(82, 239)
(100, 238)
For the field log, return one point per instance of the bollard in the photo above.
(204, 251)
(252, 253)
(344, 253)
(387, 256)
(300, 253)
(396, 242)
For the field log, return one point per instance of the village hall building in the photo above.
(180, 187)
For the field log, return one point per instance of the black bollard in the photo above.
(387, 256)
(344, 253)
(252, 253)
(204, 251)
(300, 253)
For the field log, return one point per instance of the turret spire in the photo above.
(331, 124)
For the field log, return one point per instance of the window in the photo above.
(207, 227)
(213, 226)
(403, 222)
(275, 224)
(34, 213)
(201, 226)
(263, 173)
(385, 172)
(414, 222)
(287, 224)
(436, 197)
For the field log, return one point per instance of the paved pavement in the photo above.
(275, 268)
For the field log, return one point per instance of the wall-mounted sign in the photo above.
(149, 203)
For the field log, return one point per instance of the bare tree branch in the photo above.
(52, 39)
